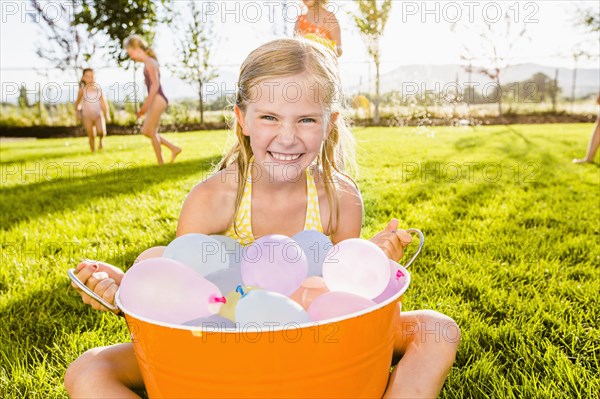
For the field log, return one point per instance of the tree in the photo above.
(195, 43)
(496, 43)
(588, 21)
(538, 88)
(118, 19)
(66, 45)
(23, 100)
(280, 25)
(370, 19)
(576, 54)
(554, 90)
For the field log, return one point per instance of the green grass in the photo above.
(512, 250)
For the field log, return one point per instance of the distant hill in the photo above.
(588, 80)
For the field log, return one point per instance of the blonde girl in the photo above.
(321, 25)
(288, 171)
(156, 102)
(92, 109)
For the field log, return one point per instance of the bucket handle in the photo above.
(92, 294)
(421, 243)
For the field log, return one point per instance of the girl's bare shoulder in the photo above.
(209, 206)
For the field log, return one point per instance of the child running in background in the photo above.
(92, 108)
(156, 102)
(289, 170)
(321, 25)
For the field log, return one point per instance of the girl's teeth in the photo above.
(284, 157)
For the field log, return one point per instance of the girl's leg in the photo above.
(88, 124)
(427, 342)
(105, 372)
(593, 145)
(101, 130)
(150, 129)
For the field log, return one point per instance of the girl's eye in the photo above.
(307, 120)
(268, 118)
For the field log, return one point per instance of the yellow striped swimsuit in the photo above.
(244, 217)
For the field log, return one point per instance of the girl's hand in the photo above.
(141, 112)
(100, 277)
(392, 241)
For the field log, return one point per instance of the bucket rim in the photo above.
(308, 324)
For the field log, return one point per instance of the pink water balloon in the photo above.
(356, 266)
(310, 289)
(274, 263)
(168, 291)
(336, 304)
(153, 252)
(397, 281)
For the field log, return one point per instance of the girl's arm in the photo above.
(153, 89)
(351, 212)
(297, 28)
(104, 107)
(79, 97)
(336, 33)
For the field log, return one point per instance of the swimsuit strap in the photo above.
(243, 219)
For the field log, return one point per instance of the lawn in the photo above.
(512, 251)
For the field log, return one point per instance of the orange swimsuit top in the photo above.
(307, 27)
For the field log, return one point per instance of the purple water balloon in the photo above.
(336, 304)
(396, 283)
(275, 263)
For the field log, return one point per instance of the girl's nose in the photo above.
(287, 133)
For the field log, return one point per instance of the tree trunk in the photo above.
(135, 92)
(377, 98)
(554, 91)
(499, 94)
(573, 87)
(201, 103)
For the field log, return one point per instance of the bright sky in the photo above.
(418, 32)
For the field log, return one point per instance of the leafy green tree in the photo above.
(118, 19)
(371, 19)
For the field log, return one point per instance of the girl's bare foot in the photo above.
(174, 154)
(582, 160)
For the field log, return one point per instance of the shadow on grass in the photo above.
(27, 202)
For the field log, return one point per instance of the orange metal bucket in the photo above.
(347, 357)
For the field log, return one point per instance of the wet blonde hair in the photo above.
(136, 41)
(288, 57)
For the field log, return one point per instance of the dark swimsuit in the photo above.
(148, 82)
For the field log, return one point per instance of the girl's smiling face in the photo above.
(286, 123)
(88, 77)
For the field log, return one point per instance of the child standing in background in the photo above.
(321, 25)
(156, 102)
(92, 108)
